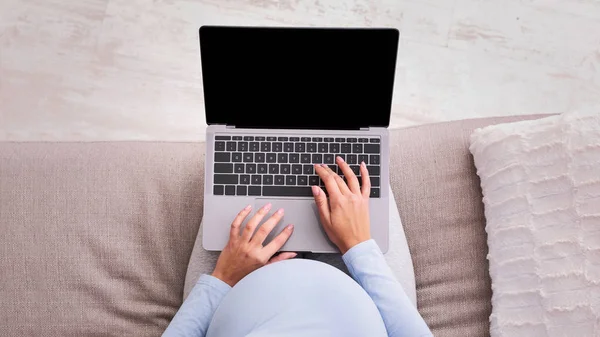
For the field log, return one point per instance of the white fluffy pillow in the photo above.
(541, 188)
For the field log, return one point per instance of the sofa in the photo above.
(95, 237)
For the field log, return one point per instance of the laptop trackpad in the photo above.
(303, 214)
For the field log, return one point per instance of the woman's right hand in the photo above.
(345, 217)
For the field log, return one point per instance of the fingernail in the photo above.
(340, 158)
(362, 163)
(323, 166)
(295, 254)
(280, 211)
(248, 207)
(267, 207)
(290, 227)
(315, 190)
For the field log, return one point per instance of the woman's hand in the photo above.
(244, 252)
(345, 217)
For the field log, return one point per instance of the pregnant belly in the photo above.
(297, 298)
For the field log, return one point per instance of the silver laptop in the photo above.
(278, 101)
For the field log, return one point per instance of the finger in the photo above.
(353, 184)
(328, 180)
(278, 241)
(237, 222)
(265, 229)
(254, 221)
(322, 204)
(366, 181)
(282, 256)
(339, 181)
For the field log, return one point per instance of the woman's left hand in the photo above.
(245, 252)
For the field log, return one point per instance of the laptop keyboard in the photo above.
(284, 166)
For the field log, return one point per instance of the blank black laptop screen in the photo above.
(310, 78)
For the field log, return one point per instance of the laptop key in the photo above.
(250, 168)
(230, 190)
(351, 159)
(346, 148)
(224, 179)
(222, 157)
(373, 170)
(265, 147)
(245, 179)
(328, 139)
(236, 138)
(248, 157)
(302, 180)
(285, 168)
(287, 191)
(305, 158)
(313, 180)
(243, 146)
(254, 190)
(374, 140)
(222, 137)
(294, 139)
(374, 159)
(317, 139)
(290, 180)
(267, 179)
(282, 157)
(363, 157)
(282, 139)
(239, 168)
(357, 148)
(248, 138)
(256, 180)
(294, 158)
(231, 146)
(262, 168)
(363, 140)
(317, 158)
(277, 147)
(259, 138)
(273, 168)
(218, 190)
(351, 140)
(374, 181)
(341, 155)
(241, 190)
(254, 146)
(219, 146)
(299, 147)
(340, 140)
(323, 147)
(223, 168)
(305, 139)
(288, 147)
(374, 192)
(236, 157)
(271, 139)
(371, 148)
(334, 168)
(259, 157)
(328, 158)
(297, 169)
(355, 169)
(279, 180)
(271, 158)
(334, 148)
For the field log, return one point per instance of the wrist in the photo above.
(222, 277)
(346, 246)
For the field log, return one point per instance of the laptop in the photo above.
(278, 101)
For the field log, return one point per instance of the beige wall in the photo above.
(130, 69)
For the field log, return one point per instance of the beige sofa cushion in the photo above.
(439, 198)
(95, 237)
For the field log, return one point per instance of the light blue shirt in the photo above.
(303, 298)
